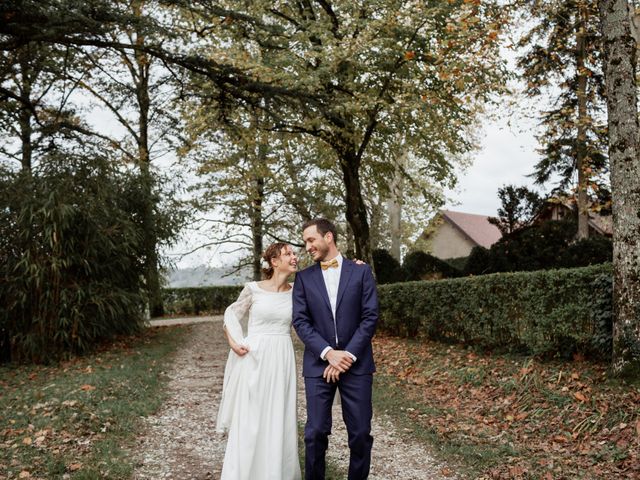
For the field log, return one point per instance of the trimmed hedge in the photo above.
(556, 312)
(199, 300)
(551, 312)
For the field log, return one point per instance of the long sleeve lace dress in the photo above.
(258, 405)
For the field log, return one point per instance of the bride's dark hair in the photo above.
(273, 251)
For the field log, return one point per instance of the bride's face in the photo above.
(287, 262)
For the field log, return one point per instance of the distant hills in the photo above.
(204, 276)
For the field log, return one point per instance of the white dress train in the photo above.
(258, 405)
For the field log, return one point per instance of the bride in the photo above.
(258, 405)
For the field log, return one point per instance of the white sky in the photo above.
(507, 155)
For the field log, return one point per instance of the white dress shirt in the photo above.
(331, 278)
(332, 281)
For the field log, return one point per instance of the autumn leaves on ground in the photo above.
(512, 417)
(79, 419)
(488, 415)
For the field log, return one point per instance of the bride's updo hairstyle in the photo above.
(272, 252)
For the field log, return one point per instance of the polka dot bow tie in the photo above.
(331, 264)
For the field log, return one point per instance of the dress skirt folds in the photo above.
(258, 405)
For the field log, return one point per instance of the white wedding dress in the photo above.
(258, 405)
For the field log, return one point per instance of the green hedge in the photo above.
(199, 300)
(554, 312)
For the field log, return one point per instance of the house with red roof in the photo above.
(454, 234)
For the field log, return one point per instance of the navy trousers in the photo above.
(355, 394)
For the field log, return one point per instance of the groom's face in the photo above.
(315, 243)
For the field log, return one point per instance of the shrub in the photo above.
(419, 265)
(478, 262)
(199, 300)
(388, 269)
(458, 263)
(537, 247)
(543, 312)
(71, 264)
(589, 251)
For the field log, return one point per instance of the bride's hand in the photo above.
(239, 350)
(359, 262)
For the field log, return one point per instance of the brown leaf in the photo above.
(27, 441)
(516, 471)
(87, 388)
(580, 397)
(24, 474)
(75, 466)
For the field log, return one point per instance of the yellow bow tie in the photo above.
(330, 264)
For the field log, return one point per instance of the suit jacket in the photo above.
(355, 322)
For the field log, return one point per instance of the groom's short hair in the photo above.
(323, 226)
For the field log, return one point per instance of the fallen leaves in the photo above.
(559, 419)
(580, 397)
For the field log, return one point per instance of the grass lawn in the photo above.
(79, 419)
(503, 416)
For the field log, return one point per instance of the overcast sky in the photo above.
(507, 156)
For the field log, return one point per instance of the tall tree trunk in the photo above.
(141, 79)
(25, 115)
(624, 153)
(257, 225)
(394, 206)
(356, 212)
(582, 162)
(257, 220)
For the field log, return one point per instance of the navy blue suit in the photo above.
(354, 326)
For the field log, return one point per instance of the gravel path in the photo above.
(179, 442)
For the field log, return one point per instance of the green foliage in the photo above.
(458, 263)
(589, 251)
(519, 206)
(545, 312)
(199, 300)
(602, 312)
(533, 248)
(388, 269)
(563, 59)
(361, 79)
(71, 264)
(478, 261)
(419, 265)
(547, 245)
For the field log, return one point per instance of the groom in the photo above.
(335, 310)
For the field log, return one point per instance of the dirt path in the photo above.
(179, 442)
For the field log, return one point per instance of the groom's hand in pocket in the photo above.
(339, 359)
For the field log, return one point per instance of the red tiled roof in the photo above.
(476, 227)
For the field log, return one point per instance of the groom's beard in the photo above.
(322, 254)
